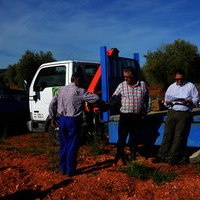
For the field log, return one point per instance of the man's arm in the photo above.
(194, 94)
(116, 97)
(168, 101)
(147, 99)
(53, 111)
(90, 97)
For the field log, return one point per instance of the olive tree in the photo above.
(161, 64)
(26, 67)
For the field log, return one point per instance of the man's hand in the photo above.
(187, 101)
(168, 102)
(103, 106)
(54, 123)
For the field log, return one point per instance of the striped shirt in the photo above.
(69, 101)
(133, 99)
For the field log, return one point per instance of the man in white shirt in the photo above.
(179, 98)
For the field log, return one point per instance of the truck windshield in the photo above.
(88, 70)
(50, 77)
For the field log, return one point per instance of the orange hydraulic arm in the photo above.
(95, 80)
(92, 87)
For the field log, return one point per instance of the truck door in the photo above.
(47, 81)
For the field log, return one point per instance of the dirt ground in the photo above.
(27, 172)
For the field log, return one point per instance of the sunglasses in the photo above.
(179, 79)
(127, 76)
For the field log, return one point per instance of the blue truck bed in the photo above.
(153, 128)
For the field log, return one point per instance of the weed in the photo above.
(159, 177)
(96, 151)
(143, 172)
(97, 147)
(197, 166)
(25, 150)
(53, 168)
(3, 142)
(53, 156)
(38, 137)
(139, 171)
(9, 148)
(34, 152)
(92, 174)
(109, 188)
(124, 189)
(53, 160)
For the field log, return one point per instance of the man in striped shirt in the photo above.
(134, 106)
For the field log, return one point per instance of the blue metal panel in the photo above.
(137, 65)
(104, 79)
(196, 119)
(113, 132)
(160, 134)
(136, 57)
(152, 133)
(194, 137)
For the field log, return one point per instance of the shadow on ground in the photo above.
(34, 194)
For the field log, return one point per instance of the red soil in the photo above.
(26, 176)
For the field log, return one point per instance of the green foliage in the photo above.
(2, 142)
(160, 177)
(161, 64)
(26, 67)
(97, 147)
(53, 160)
(96, 151)
(197, 166)
(139, 171)
(143, 172)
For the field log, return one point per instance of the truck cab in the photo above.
(49, 78)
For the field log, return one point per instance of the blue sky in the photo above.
(75, 29)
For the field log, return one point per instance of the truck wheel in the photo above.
(53, 135)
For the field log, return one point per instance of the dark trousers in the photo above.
(128, 124)
(177, 128)
(69, 134)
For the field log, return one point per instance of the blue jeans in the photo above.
(69, 134)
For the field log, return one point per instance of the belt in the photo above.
(179, 110)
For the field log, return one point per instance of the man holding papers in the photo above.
(179, 98)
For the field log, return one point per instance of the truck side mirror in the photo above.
(35, 97)
(25, 85)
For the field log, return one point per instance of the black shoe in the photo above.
(179, 162)
(173, 162)
(115, 160)
(119, 161)
(69, 174)
(131, 157)
(184, 161)
(158, 160)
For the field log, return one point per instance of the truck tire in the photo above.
(53, 135)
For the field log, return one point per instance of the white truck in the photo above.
(101, 78)
(47, 80)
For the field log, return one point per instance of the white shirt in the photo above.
(185, 91)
